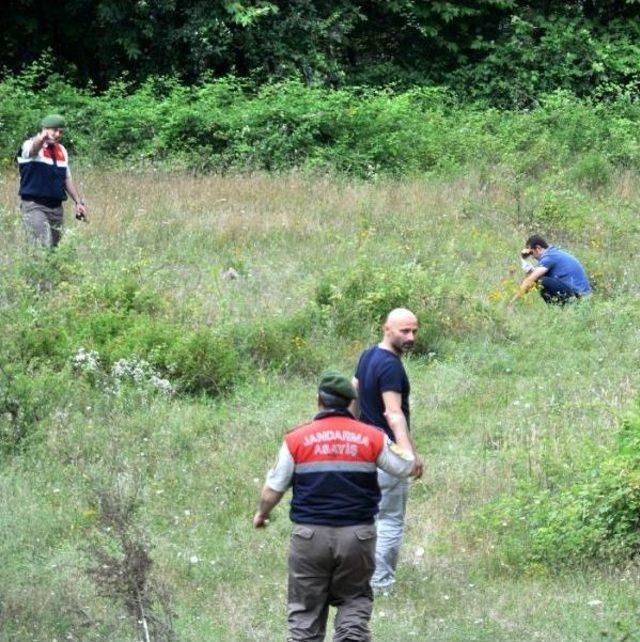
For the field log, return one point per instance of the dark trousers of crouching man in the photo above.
(331, 465)
(554, 291)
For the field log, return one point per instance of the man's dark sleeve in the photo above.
(391, 376)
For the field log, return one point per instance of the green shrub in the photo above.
(539, 53)
(43, 341)
(123, 292)
(205, 361)
(559, 210)
(26, 399)
(42, 271)
(289, 345)
(119, 320)
(126, 120)
(359, 301)
(592, 170)
(194, 360)
(145, 337)
(230, 123)
(593, 515)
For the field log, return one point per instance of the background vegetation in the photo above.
(266, 180)
(506, 51)
(230, 125)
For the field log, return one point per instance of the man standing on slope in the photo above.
(560, 275)
(45, 180)
(331, 463)
(383, 396)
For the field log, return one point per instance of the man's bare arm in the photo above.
(355, 404)
(398, 424)
(269, 498)
(79, 207)
(529, 281)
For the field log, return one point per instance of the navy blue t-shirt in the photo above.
(379, 371)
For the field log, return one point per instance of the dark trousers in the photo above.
(554, 291)
(43, 224)
(330, 566)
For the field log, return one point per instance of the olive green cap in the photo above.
(53, 121)
(335, 383)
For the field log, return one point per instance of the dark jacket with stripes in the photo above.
(43, 177)
(335, 479)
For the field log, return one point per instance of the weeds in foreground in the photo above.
(121, 567)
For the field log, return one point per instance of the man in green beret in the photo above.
(45, 181)
(331, 464)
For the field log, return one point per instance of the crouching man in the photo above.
(559, 274)
(331, 464)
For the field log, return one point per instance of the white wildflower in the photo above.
(86, 361)
(141, 374)
(163, 385)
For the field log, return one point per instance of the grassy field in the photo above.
(500, 396)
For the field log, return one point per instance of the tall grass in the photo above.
(501, 396)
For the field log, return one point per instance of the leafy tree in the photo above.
(101, 39)
(506, 51)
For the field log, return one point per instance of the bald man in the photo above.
(383, 397)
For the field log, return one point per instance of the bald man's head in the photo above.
(400, 330)
(400, 316)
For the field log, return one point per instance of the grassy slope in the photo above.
(489, 409)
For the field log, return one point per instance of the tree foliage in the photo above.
(508, 51)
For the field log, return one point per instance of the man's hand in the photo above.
(39, 141)
(268, 500)
(45, 139)
(80, 210)
(260, 520)
(529, 282)
(513, 300)
(418, 467)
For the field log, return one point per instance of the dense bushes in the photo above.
(358, 301)
(62, 325)
(592, 515)
(229, 124)
(27, 397)
(537, 55)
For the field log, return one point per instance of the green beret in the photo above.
(53, 121)
(335, 383)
